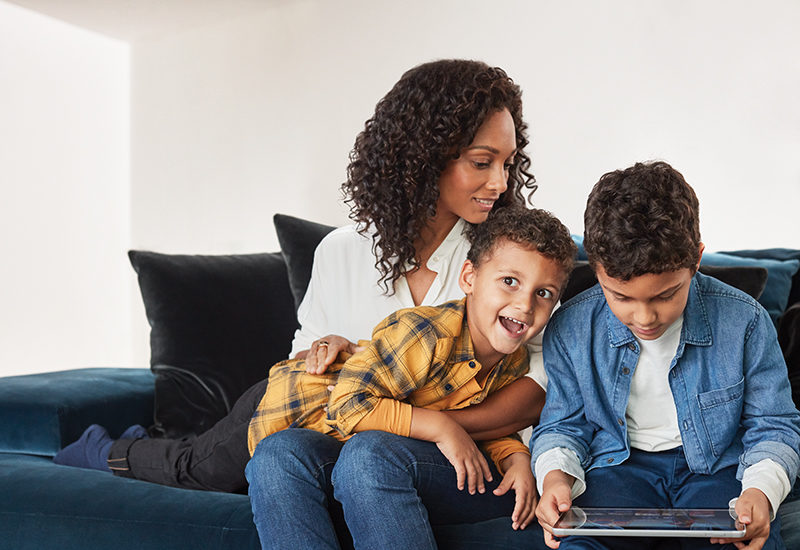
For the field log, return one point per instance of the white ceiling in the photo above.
(132, 20)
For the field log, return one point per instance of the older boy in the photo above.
(667, 389)
(424, 360)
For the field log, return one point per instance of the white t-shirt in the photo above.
(651, 414)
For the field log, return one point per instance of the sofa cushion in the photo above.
(780, 254)
(43, 505)
(217, 324)
(779, 278)
(299, 239)
(43, 412)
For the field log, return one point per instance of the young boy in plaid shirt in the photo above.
(424, 360)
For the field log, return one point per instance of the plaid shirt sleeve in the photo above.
(396, 364)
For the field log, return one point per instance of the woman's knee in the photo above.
(291, 452)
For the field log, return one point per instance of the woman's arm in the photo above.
(508, 410)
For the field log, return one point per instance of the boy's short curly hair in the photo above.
(423, 122)
(644, 219)
(535, 228)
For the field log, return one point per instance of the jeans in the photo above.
(789, 512)
(295, 473)
(396, 491)
(291, 492)
(659, 480)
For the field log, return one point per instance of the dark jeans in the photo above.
(213, 461)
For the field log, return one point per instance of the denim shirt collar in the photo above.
(696, 327)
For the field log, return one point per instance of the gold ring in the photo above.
(322, 343)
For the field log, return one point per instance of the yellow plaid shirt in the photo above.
(418, 357)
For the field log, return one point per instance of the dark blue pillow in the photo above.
(779, 278)
(299, 239)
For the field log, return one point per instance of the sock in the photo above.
(135, 432)
(89, 451)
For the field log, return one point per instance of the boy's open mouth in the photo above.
(512, 325)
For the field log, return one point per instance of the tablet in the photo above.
(648, 522)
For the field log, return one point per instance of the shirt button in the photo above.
(632, 346)
(609, 460)
(448, 387)
(626, 370)
(472, 364)
(620, 422)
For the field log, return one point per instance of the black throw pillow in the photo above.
(298, 239)
(751, 280)
(217, 324)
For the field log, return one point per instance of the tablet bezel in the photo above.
(577, 518)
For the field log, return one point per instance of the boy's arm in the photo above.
(372, 384)
(563, 422)
(504, 412)
(770, 419)
(513, 407)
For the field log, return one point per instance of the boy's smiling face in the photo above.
(510, 296)
(647, 304)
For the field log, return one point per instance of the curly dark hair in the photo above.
(536, 228)
(644, 219)
(426, 119)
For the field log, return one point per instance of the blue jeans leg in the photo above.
(394, 488)
(789, 514)
(291, 493)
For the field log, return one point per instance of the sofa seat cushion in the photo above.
(43, 412)
(43, 505)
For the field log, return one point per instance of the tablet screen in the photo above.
(639, 522)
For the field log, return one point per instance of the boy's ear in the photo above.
(467, 277)
(700, 257)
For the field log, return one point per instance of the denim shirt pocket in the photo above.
(720, 411)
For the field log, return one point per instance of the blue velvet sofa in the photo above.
(46, 506)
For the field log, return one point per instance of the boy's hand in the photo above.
(460, 449)
(455, 444)
(519, 477)
(556, 498)
(753, 510)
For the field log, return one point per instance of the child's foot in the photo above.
(89, 451)
(135, 432)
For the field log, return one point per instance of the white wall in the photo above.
(64, 212)
(241, 118)
(236, 121)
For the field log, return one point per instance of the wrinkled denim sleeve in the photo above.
(562, 423)
(769, 417)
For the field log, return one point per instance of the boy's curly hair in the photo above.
(644, 219)
(425, 120)
(535, 228)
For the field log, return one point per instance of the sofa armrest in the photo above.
(40, 413)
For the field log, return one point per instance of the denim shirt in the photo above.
(728, 379)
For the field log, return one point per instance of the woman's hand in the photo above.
(323, 352)
(519, 477)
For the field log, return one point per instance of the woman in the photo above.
(443, 148)
(414, 185)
